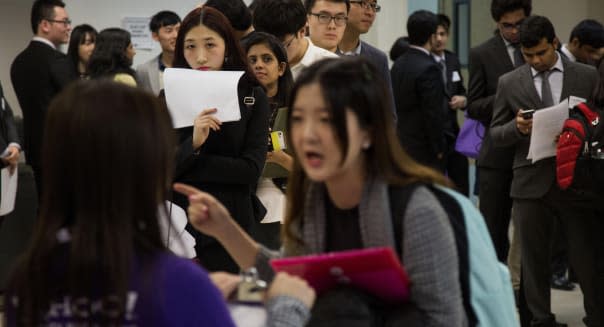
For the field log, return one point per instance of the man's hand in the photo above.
(12, 158)
(458, 102)
(523, 125)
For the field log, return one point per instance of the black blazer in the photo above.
(420, 103)
(379, 59)
(8, 130)
(453, 87)
(230, 162)
(488, 62)
(38, 73)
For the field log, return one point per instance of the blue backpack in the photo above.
(486, 288)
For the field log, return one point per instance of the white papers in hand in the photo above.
(8, 191)
(190, 91)
(174, 234)
(547, 125)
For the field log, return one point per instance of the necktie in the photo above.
(443, 70)
(546, 89)
(518, 58)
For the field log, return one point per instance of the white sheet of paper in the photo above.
(8, 191)
(174, 234)
(573, 101)
(190, 91)
(547, 125)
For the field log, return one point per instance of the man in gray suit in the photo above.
(361, 16)
(546, 80)
(9, 141)
(164, 28)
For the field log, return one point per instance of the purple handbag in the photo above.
(470, 137)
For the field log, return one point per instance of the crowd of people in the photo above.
(108, 164)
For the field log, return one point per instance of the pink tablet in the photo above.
(375, 270)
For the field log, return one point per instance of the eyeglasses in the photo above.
(286, 44)
(510, 26)
(65, 21)
(367, 5)
(325, 19)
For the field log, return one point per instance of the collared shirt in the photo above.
(567, 53)
(43, 40)
(355, 52)
(510, 47)
(313, 53)
(420, 49)
(555, 80)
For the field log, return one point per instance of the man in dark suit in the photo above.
(9, 140)
(419, 94)
(546, 80)
(488, 61)
(456, 163)
(361, 16)
(39, 72)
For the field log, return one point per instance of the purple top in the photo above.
(174, 292)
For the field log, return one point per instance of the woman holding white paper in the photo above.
(347, 159)
(224, 159)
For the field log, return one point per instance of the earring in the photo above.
(226, 59)
(366, 145)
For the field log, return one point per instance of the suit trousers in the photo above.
(457, 171)
(535, 219)
(496, 206)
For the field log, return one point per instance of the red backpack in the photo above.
(580, 151)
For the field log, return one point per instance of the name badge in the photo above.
(456, 77)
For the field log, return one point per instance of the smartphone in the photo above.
(527, 113)
(276, 141)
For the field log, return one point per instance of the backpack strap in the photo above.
(399, 198)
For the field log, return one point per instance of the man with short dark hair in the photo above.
(361, 16)
(327, 22)
(286, 19)
(39, 72)
(586, 43)
(164, 28)
(545, 80)
(456, 163)
(487, 62)
(419, 94)
(238, 14)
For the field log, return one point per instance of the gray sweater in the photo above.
(429, 251)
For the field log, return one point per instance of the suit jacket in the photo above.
(230, 162)
(8, 130)
(147, 75)
(488, 62)
(38, 73)
(420, 103)
(379, 59)
(516, 90)
(453, 87)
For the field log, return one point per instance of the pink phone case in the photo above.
(375, 270)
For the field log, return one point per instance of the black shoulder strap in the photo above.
(399, 198)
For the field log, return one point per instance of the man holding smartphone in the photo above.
(538, 201)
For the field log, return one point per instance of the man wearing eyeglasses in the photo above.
(286, 19)
(327, 22)
(361, 16)
(39, 72)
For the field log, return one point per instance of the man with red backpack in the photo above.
(538, 201)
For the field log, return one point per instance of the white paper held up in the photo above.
(8, 190)
(547, 125)
(190, 91)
